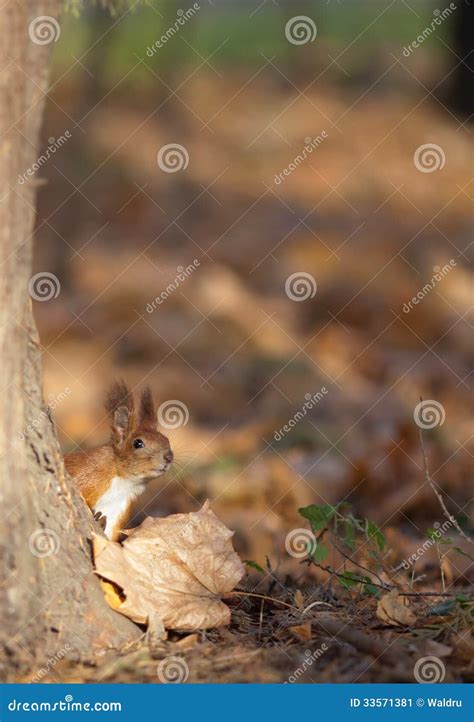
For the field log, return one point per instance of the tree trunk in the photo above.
(462, 95)
(51, 600)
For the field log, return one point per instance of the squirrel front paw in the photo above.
(101, 519)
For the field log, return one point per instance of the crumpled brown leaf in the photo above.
(393, 609)
(177, 567)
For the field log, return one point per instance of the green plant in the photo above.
(349, 535)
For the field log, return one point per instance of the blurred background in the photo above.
(242, 94)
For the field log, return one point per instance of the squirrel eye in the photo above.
(138, 444)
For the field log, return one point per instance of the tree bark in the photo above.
(51, 600)
(462, 96)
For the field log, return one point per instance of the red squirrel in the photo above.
(112, 476)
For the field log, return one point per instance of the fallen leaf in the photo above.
(299, 599)
(187, 642)
(177, 567)
(112, 594)
(394, 609)
(464, 645)
(156, 632)
(432, 648)
(301, 631)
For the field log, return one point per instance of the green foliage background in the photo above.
(247, 33)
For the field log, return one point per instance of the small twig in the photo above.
(430, 481)
(259, 596)
(260, 621)
(353, 561)
(330, 570)
(386, 587)
(412, 578)
(441, 568)
(428, 594)
(315, 604)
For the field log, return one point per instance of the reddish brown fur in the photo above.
(94, 470)
(147, 413)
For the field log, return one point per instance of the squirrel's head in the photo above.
(141, 451)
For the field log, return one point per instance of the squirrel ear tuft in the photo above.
(119, 394)
(120, 405)
(147, 414)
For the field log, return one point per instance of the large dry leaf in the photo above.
(394, 609)
(177, 567)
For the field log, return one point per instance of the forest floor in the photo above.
(272, 639)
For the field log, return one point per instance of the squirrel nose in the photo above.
(169, 456)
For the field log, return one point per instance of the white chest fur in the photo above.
(116, 500)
